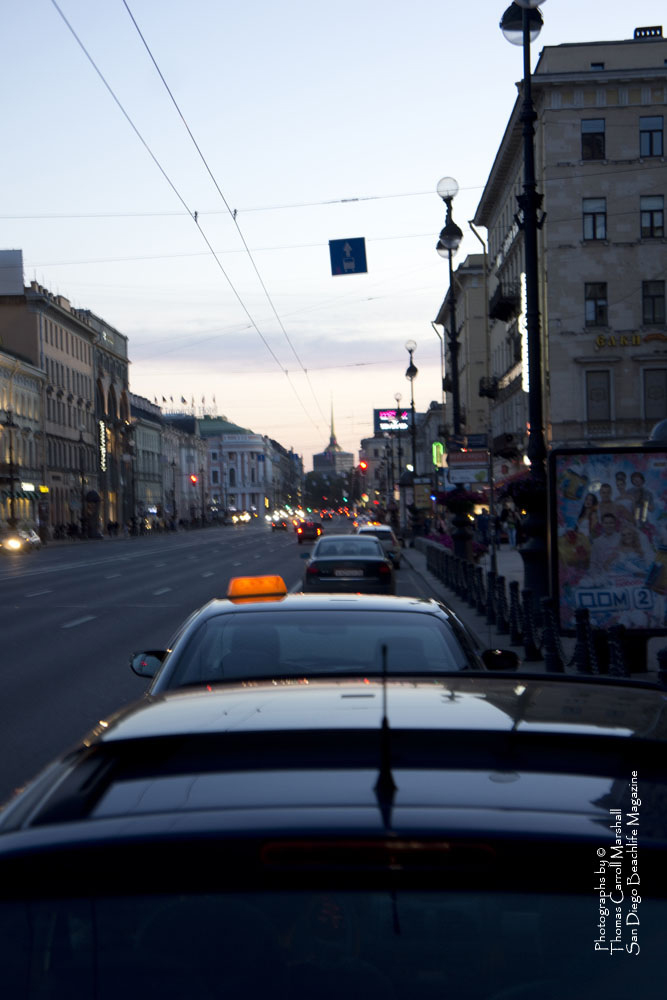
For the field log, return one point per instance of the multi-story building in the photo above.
(471, 314)
(146, 460)
(237, 477)
(602, 174)
(23, 491)
(184, 468)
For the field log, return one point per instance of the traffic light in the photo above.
(363, 465)
(194, 479)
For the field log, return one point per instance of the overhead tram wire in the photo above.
(231, 212)
(185, 206)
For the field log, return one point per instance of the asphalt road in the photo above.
(72, 614)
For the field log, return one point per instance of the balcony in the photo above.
(505, 303)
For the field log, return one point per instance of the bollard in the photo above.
(502, 613)
(491, 597)
(617, 664)
(662, 666)
(480, 606)
(471, 593)
(530, 644)
(552, 650)
(516, 618)
(584, 659)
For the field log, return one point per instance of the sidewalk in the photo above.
(510, 565)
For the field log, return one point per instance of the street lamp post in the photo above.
(173, 491)
(82, 478)
(521, 24)
(411, 375)
(448, 244)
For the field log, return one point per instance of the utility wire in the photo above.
(192, 214)
(231, 212)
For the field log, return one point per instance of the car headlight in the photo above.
(13, 543)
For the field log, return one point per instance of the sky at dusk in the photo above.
(180, 166)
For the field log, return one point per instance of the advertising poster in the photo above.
(609, 537)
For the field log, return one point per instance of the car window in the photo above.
(348, 547)
(326, 942)
(302, 643)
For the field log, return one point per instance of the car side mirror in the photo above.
(501, 659)
(148, 663)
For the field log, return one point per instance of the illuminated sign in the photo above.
(391, 420)
(103, 446)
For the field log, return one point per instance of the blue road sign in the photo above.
(348, 256)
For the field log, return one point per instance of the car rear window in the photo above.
(379, 943)
(348, 547)
(302, 643)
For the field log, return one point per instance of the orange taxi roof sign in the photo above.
(256, 588)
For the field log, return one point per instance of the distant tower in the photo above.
(333, 459)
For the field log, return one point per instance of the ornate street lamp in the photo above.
(521, 24)
(448, 244)
(411, 374)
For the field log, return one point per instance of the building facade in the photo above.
(23, 493)
(602, 174)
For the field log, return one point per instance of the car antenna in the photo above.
(385, 786)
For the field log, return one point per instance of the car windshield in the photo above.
(377, 943)
(303, 643)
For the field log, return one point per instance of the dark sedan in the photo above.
(308, 531)
(349, 564)
(467, 837)
(262, 632)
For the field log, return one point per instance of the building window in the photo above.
(598, 395)
(214, 456)
(652, 216)
(655, 393)
(650, 136)
(215, 477)
(232, 477)
(653, 302)
(595, 218)
(596, 303)
(592, 139)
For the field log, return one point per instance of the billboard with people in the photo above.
(609, 536)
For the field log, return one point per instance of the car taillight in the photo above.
(299, 531)
(312, 570)
(385, 570)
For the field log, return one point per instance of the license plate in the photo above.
(348, 572)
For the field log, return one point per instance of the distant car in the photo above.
(387, 539)
(348, 563)
(280, 524)
(260, 631)
(308, 531)
(19, 540)
(464, 837)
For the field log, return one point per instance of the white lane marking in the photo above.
(111, 576)
(236, 564)
(208, 574)
(79, 621)
(164, 590)
(39, 593)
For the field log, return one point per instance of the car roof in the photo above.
(323, 602)
(537, 758)
(480, 703)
